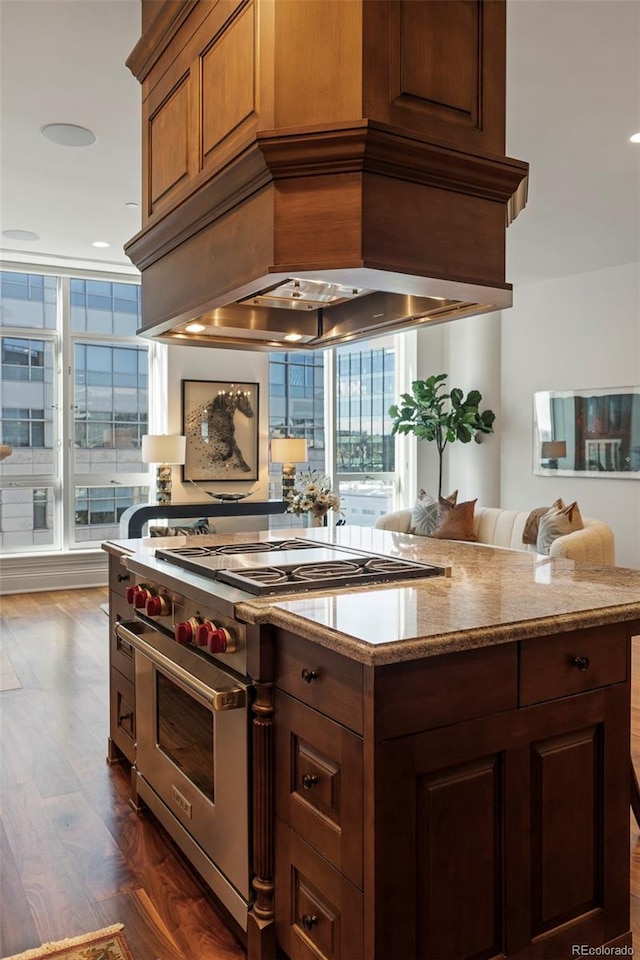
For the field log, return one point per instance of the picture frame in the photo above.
(593, 432)
(220, 423)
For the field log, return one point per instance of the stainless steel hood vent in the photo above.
(303, 313)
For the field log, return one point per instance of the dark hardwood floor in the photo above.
(73, 856)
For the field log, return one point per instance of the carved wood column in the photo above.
(261, 929)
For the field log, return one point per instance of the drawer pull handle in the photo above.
(123, 577)
(309, 780)
(123, 717)
(309, 675)
(582, 663)
(309, 922)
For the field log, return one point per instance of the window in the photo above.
(363, 378)
(23, 427)
(74, 402)
(296, 406)
(40, 499)
(22, 359)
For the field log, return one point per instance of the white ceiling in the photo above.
(573, 101)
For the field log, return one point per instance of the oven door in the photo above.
(192, 746)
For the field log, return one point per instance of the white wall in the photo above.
(237, 366)
(468, 350)
(575, 332)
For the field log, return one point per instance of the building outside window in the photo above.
(74, 405)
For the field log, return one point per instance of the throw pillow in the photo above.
(424, 516)
(455, 521)
(557, 522)
(197, 528)
(530, 532)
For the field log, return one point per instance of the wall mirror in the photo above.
(592, 432)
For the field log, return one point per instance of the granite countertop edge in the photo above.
(437, 644)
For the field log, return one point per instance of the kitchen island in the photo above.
(441, 769)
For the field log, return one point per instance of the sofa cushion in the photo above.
(196, 528)
(424, 516)
(455, 521)
(557, 522)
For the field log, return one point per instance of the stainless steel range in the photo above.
(193, 691)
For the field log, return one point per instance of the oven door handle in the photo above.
(227, 698)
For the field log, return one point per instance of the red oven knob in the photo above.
(158, 607)
(215, 639)
(141, 597)
(130, 593)
(184, 632)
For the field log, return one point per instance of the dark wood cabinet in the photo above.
(505, 832)
(122, 697)
(486, 793)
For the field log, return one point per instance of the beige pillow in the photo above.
(424, 516)
(455, 521)
(530, 532)
(557, 522)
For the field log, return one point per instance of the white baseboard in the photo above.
(34, 573)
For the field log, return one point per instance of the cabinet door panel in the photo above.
(319, 914)
(168, 143)
(228, 81)
(493, 833)
(448, 871)
(566, 794)
(319, 789)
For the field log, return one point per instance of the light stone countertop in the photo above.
(492, 596)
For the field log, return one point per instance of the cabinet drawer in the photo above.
(119, 577)
(324, 680)
(121, 652)
(319, 783)
(318, 912)
(122, 714)
(434, 692)
(568, 663)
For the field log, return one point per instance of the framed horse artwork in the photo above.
(220, 422)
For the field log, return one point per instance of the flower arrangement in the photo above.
(312, 494)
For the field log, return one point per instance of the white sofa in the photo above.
(503, 528)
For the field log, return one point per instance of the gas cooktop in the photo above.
(271, 567)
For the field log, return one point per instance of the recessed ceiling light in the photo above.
(635, 138)
(132, 205)
(100, 243)
(20, 235)
(293, 337)
(68, 134)
(195, 327)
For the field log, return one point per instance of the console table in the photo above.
(134, 518)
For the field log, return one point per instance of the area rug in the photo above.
(107, 944)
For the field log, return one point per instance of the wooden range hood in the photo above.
(315, 171)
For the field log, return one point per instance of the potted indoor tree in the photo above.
(430, 413)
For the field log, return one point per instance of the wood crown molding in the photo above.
(362, 147)
(157, 37)
(369, 147)
(231, 186)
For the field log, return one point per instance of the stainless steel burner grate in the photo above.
(265, 575)
(325, 571)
